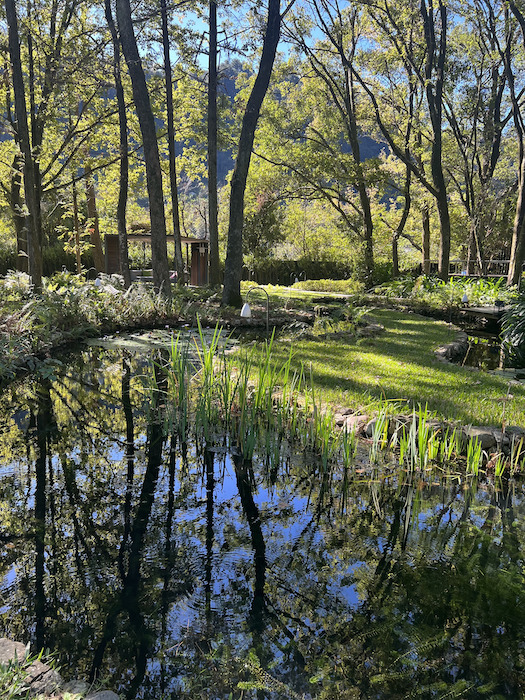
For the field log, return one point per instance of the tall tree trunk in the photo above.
(233, 268)
(517, 253)
(364, 198)
(159, 253)
(123, 150)
(34, 250)
(94, 227)
(434, 83)
(395, 256)
(179, 265)
(213, 207)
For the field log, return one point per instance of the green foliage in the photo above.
(15, 678)
(68, 309)
(436, 293)
(343, 286)
(261, 231)
(513, 332)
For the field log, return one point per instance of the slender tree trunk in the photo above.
(444, 229)
(159, 253)
(94, 227)
(16, 203)
(364, 198)
(233, 268)
(123, 150)
(36, 133)
(434, 83)
(34, 250)
(179, 265)
(517, 252)
(76, 224)
(395, 256)
(213, 207)
(425, 242)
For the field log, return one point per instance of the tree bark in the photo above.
(434, 82)
(76, 224)
(159, 253)
(123, 150)
(93, 224)
(233, 268)
(425, 224)
(179, 265)
(16, 203)
(30, 188)
(517, 253)
(364, 198)
(213, 208)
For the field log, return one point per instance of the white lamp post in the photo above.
(246, 311)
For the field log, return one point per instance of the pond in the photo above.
(177, 571)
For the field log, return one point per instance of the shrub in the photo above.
(434, 292)
(348, 286)
(513, 332)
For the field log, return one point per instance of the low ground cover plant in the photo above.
(513, 332)
(434, 292)
(69, 308)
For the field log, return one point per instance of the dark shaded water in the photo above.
(178, 572)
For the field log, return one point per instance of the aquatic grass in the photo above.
(499, 465)
(423, 435)
(249, 395)
(379, 434)
(348, 445)
(450, 446)
(178, 384)
(325, 438)
(433, 446)
(517, 456)
(474, 456)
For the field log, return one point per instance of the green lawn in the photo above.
(400, 365)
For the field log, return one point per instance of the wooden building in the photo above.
(194, 254)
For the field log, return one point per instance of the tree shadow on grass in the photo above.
(401, 365)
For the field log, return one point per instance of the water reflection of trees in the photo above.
(178, 570)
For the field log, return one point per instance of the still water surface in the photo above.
(180, 572)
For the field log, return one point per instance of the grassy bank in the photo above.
(400, 365)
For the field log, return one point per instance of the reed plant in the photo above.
(178, 385)
(379, 434)
(500, 464)
(474, 456)
(348, 446)
(258, 403)
(450, 446)
(517, 456)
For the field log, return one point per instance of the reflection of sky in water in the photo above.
(327, 555)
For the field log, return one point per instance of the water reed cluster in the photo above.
(421, 445)
(252, 403)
